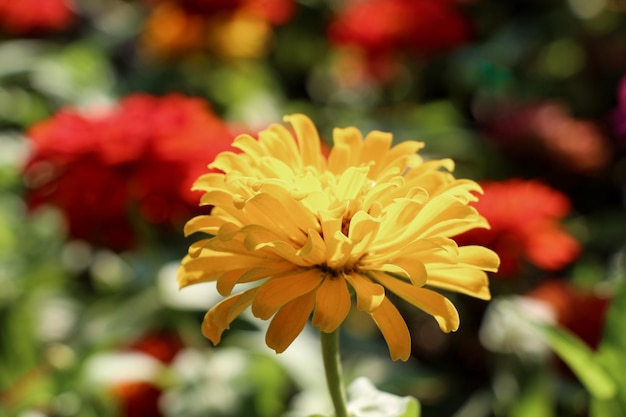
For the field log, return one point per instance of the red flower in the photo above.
(160, 345)
(140, 157)
(582, 312)
(138, 399)
(423, 26)
(524, 218)
(546, 133)
(21, 17)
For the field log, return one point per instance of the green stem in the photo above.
(332, 367)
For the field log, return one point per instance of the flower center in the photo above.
(332, 273)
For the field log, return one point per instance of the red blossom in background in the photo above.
(137, 159)
(141, 398)
(582, 312)
(138, 399)
(25, 17)
(618, 116)
(383, 28)
(524, 218)
(546, 132)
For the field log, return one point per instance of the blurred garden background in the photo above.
(110, 109)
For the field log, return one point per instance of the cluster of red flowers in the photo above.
(524, 218)
(139, 158)
(25, 17)
(383, 28)
(232, 28)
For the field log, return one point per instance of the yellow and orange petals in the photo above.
(369, 295)
(287, 324)
(309, 232)
(278, 291)
(394, 330)
(222, 314)
(308, 141)
(433, 303)
(467, 281)
(332, 304)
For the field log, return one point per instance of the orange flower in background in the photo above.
(25, 17)
(138, 159)
(305, 232)
(231, 29)
(525, 225)
(581, 311)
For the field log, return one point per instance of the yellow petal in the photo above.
(369, 294)
(431, 302)
(289, 322)
(249, 145)
(351, 183)
(332, 304)
(408, 268)
(394, 330)
(204, 224)
(222, 314)
(479, 257)
(280, 290)
(343, 154)
(463, 280)
(308, 140)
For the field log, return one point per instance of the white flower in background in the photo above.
(508, 326)
(119, 367)
(209, 382)
(198, 298)
(367, 401)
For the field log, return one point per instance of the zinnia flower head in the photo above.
(305, 234)
(525, 225)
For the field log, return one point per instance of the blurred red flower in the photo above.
(524, 217)
(383, 28)
(618, 116)
(161, 345)
(582, 312)
(545, 131)
(139, 158)
(24, 17)
(138, 399)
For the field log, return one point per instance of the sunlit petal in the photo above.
(289, 322)
(394, 330)
(332, 304)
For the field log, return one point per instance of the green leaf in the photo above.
(612, 348)
(581, 360)
(536, 399)
(367, 401)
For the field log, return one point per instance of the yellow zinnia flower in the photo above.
(306, 233)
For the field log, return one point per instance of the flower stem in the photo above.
(332, 367)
